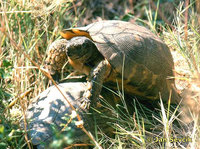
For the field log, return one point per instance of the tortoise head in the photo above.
(56, 56)
(78, 51)
(80, 46)
(82, 54)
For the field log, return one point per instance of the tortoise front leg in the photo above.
(95, 82)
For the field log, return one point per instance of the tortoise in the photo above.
(119, 55)
(48, 109)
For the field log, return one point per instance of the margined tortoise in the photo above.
(116, 53)
(49, 112)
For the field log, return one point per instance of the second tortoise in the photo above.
(120, 55)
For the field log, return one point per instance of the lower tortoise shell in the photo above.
(120, 55)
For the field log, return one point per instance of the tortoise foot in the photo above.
(85, 101)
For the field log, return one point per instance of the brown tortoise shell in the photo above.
(134, 52)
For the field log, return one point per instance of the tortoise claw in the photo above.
(85, 103)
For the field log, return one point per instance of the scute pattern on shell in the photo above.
(133, 52)
(115, 42)
(50, 109)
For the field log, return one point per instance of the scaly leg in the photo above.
(95, 82)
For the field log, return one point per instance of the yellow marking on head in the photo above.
(77, 65)
(70, 33)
